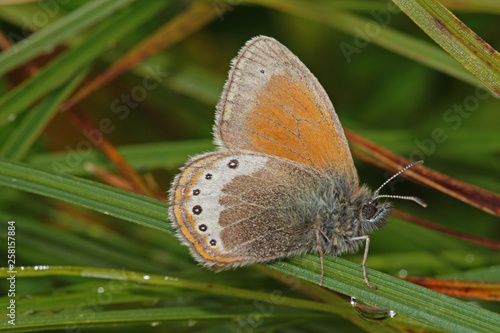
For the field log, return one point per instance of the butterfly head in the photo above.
(373, 214)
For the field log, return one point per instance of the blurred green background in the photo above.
(382, 95)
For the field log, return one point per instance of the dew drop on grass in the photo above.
(371, 312)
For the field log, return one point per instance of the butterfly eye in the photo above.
(370, 211)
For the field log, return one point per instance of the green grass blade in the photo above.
(482, 6)
(457, 39)
(404, 298)
(151, 315)
(388, 38)
(49, 37)
(101, 198)
(133, 277)
(55, 302)
(25, 134)
(66, 65)
(47, 240)
(408, 300)
(146, 156)
(292, 306)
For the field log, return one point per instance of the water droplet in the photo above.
(100, 290)
(371, 312)
(156, 323)
(146, 277)
(171, 278)
(40, 268)
(469, 258)
(403, 273)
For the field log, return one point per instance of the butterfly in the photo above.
(282, 182)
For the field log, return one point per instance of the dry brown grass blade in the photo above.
(159, 192)
(192, 19)
(23, 72)
(434, 226)
(109, 178)
(4, 41)
(124, 168)
(488, 291)
(473, 195)
(196, 16)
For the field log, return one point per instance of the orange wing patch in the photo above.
(289, 123)
(273, 104)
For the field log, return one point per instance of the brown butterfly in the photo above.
(282, 182)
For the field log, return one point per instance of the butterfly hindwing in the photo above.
(238, 208)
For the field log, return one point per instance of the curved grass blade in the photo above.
(457, 39)
(18, 143)
(407, 299)
(479, 6)
(101, 198)
(73, 322)
(404, 298)
(340, 275)
(491, 243)
(66, 27)
(464, 289)
(145, 156)
(473, 195)
(330, 304)
(386, 37)
(66, 65)
(196, 16)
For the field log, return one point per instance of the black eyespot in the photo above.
(197, 209)
(196, 192)
(370, 211)
(262, 71)
(233, 164)
(213, 242)
(208, 176)
(203, 227)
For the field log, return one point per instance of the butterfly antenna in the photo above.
(417, 200)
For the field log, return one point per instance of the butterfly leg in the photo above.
(366, 238)
(320, 251)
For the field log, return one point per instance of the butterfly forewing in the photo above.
(273, 104)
